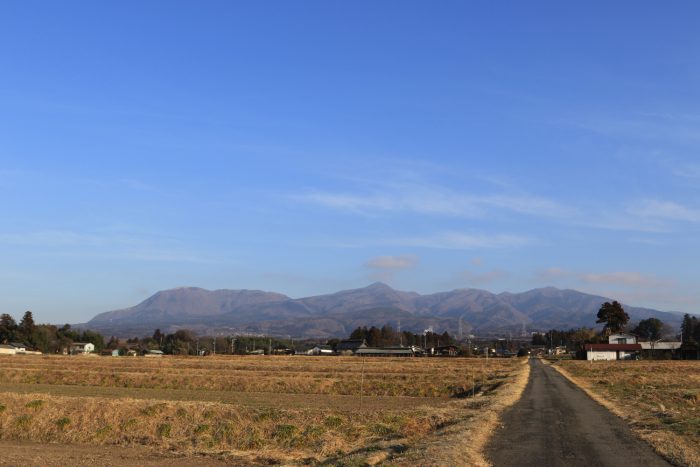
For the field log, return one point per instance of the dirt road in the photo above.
(557, 424)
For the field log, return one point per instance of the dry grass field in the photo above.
(251, 409)
(660, 400)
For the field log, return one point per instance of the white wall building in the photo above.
(82, 348)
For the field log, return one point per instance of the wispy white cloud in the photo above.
(385, 267)
(52, 239)
(677, 128)
(392, 262)
(419, 197)
(657, 209)
(461, 241)
(608, 278)
(107, 244)
(552, 274)
(625, 278)
(484, 278)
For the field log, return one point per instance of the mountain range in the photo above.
(469, 311)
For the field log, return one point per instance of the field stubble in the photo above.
(264, 409)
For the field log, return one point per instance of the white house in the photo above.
(81, 348)
(612, 351)
(320, 350)
(7, 349)
(622, 338)
(19, 347)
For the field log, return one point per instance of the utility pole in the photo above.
(213, 352)
(362, 382)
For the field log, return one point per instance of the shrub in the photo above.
(285, 433)
(132, 422)
(153, 409)
(333, 421)
(224, 432)
(201, 428)
(103, 431)
(63, 422)
(381, 429)
(35, 404)
(23, 421)
(163, 430)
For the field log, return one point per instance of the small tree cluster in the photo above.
(573, 339)
(690, 330)
(649, 329)
(386, 336)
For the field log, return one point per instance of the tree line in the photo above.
(386, 336)
(46, 338)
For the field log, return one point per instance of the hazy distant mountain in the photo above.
(335, 315)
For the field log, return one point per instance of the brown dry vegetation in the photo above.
(255, 409)
(297, 375)
(659, 399)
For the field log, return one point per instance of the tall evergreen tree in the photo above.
(614, 317)
(687, 328)
(27, 327)
(8, 328)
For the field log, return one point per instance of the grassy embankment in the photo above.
(659, 399)
(261, 409)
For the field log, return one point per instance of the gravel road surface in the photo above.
(556, 424)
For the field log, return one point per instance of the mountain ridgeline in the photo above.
(471, 311)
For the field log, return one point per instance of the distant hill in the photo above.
(473, 311)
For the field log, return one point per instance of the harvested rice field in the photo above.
(247, 409)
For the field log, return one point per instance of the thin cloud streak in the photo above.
(419, 197)
(485, 278)
(120, 246)
(392, 262)
(459, 241)
(625, 278)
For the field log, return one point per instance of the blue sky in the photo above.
(306, 147)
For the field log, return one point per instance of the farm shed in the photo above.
(7, 349)
(320, 350)
(690, 351)
(350, 346)
(660, 349)
(81, 348)
(153, 353)
(19, 347)
(446, 351)
(612, 351)
(387, 352)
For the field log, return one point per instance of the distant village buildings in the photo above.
(78, 348)
(624, 346)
